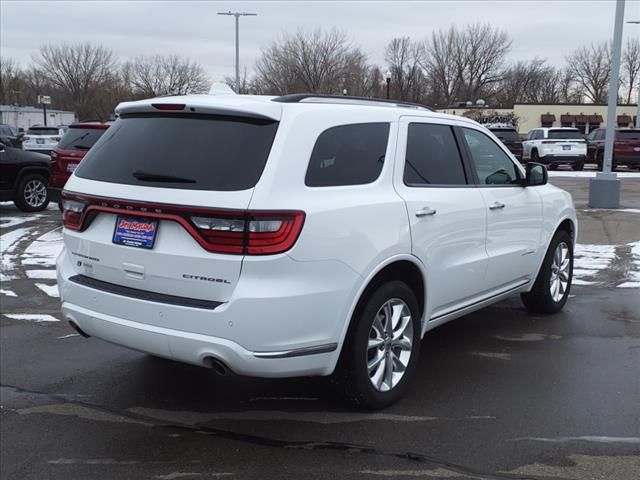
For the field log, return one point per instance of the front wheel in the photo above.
(32, 194)
(552, 286)
(382, 348)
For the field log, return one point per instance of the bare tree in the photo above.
(590, 68)
(404, 59)
(466, 64)
(78, 72)
(315, 62)
(521, 82)
(631, 66)
(11, 81)
(158, 75)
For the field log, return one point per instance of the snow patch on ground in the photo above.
(7, 292)
(40, 274)
(32, 317)
(633, 275)
(589, 260)
(8, 222)
(8, 243)
(51, 290)
(44, 250)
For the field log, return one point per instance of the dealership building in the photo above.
(583, 116)
(25, 117)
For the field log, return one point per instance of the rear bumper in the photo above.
(628, 160)
(563, 159)
(38, 149)
(280, 324)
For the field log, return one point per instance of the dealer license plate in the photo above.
(135, 232)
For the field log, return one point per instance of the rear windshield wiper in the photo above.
(153, 177)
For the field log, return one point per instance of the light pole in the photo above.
(604, 190)
(237, 15)
(388, 77)
(636, 22)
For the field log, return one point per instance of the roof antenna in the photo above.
(221, 89)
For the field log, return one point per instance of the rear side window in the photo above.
(197, 152)
(506, 135)
(628, 135)
(80, 138)
(432, 156)
(348, 155)
(564, 134)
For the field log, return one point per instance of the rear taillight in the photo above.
(72, 212)
(251, 233)
(238, 232)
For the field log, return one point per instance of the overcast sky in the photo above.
(547, 30)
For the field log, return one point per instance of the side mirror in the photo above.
(536, 174)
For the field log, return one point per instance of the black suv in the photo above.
(24, 178)
(9, 136)
(509, 136)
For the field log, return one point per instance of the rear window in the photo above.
(506, 135)
(628, 134)
(348, 155)
(43, 131)
(565, 134)
(197, 152)
(80, 138)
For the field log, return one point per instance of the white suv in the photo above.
(302, 235)
(42, 139)
(555, 146)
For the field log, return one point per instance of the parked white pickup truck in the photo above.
(555, 146)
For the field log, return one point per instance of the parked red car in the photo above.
(71, 148)
(626, 147)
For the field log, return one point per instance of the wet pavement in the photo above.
(499, 394)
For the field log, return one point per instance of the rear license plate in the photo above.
(40, 141)
(71, 167)
(135, 232)
(566, 147)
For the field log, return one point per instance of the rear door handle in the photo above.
(425, 211)
(496, 206)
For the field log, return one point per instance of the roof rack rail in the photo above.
(351, 100)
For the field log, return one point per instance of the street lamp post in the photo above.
(636, 22)
(237, 16)
(388, 77)
(604, 190)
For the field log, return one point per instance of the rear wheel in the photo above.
(600, 160)
(32, 194)
(383, 346)
(553, 166)
(534, 156)
(552, 286)
(578, 166)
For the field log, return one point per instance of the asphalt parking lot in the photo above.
(499, 394)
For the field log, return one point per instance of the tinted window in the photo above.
(43, 131)
(628, 134)
(564, 134)
(348, 155)
(493, 165)
(199, 152)
(432, 156)
(80, 138)
(506, 135)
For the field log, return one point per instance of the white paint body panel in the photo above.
(305, 297)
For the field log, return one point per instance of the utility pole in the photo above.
(636, 22)
(237, 16)
(604, 190)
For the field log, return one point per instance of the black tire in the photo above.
(600, 160)
(540, 299)
(534, 156)
(32, 194)
(553, 166)
(60, 206)
(353, 370)
(578, 166)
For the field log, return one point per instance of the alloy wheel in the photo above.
(35, 193)
(560, 269)
(390, 344)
